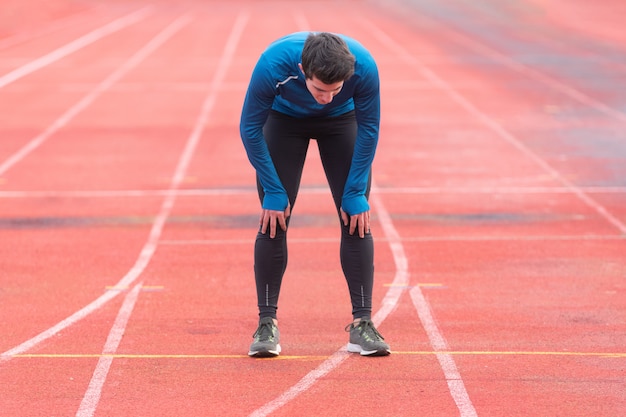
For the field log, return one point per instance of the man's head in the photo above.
(327, 57)
(326, 63)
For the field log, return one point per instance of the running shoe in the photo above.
(365, 339)
(266, 339)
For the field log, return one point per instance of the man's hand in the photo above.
(271, 217)
(360, 222)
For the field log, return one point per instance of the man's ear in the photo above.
(300, 66)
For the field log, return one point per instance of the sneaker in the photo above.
(266, 340)
(365, 339)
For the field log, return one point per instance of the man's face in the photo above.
(323, 93)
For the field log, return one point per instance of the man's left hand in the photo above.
(360, 222)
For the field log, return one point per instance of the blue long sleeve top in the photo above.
(278, 84)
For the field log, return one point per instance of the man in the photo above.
(322, 86)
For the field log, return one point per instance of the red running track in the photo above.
(128, 212)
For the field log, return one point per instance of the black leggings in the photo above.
(288, 141)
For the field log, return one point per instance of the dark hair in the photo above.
(327, 57)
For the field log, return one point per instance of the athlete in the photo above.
(325, 87)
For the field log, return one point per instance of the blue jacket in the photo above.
(277, 83)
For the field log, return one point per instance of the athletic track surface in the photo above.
(128, 213)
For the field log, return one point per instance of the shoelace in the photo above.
(366, 329)
(265, 331)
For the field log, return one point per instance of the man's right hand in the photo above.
(272, 217)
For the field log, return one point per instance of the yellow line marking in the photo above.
(152, 288)
(309, 357)
(154, 356)
(515, 353)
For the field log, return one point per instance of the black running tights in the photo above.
(288, 141)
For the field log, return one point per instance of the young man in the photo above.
(325, 87)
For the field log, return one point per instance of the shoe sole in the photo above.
(265, 353)
(353, 348)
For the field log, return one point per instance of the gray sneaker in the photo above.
(365, 339)
(266, 339)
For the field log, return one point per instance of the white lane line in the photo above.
(499, 190)
(304, 384)
(60, 24)
(490, 123)
(219, 192)
(230, 50)
(92, 397)
(65, 118)
(77, 316)
(446, 361)
(150, 245)
(389, 303)
(530, 72)
(402, 275)
(74, 46)
(420, 239)
(437, 341)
